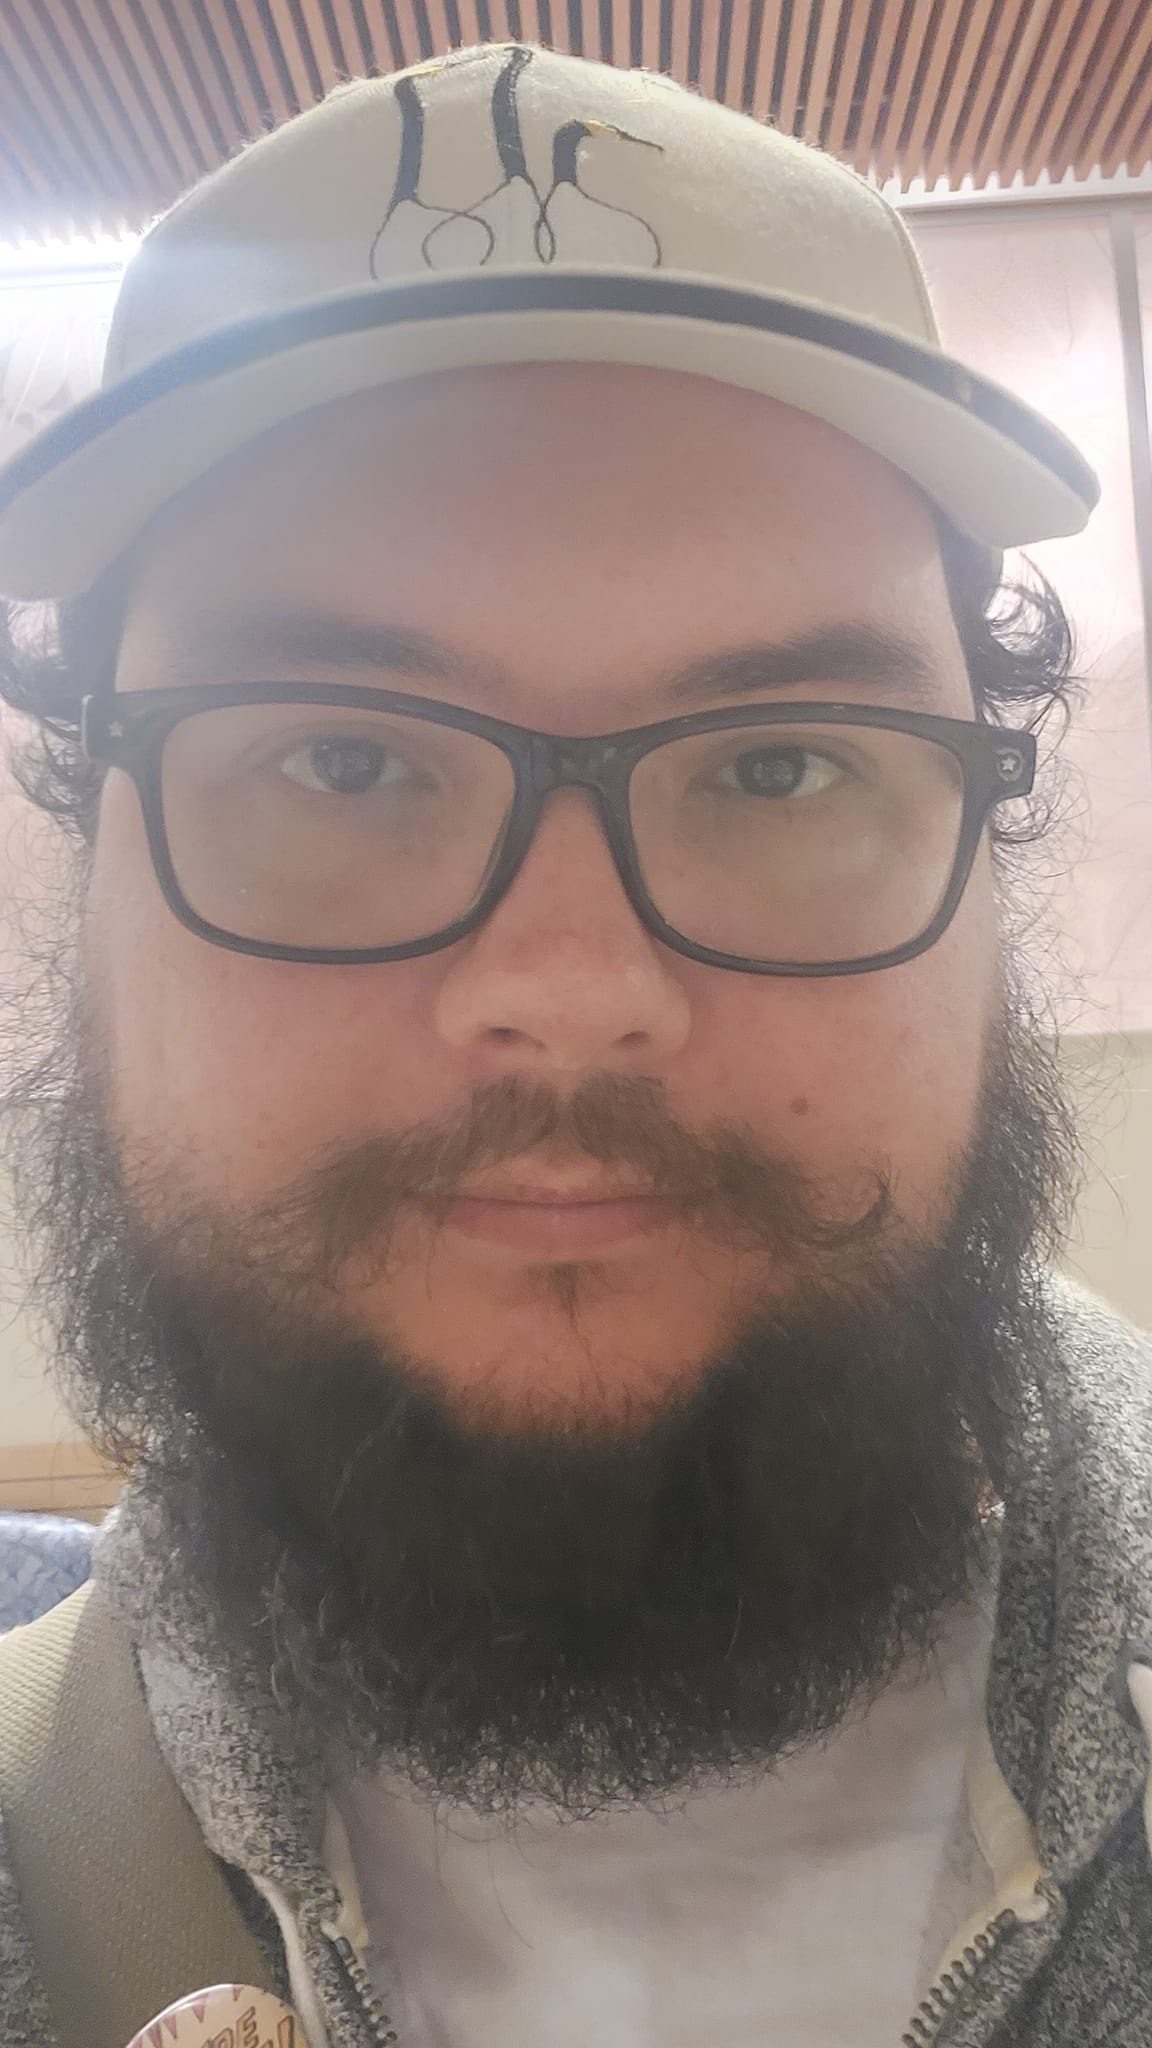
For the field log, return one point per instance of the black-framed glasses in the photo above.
(338, 823)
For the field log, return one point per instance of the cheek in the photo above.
(860, 1069)
(242, 1068)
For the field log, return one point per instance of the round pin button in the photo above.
(224, 2016)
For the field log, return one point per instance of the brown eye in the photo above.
(781, 772)
(343, 766)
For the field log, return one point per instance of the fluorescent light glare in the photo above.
(81, 256)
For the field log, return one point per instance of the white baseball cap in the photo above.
(502, 205)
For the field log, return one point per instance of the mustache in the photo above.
(721, 1181)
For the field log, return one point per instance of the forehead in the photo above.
(584, 524)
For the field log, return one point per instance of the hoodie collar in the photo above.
(257, 1795)
(1076, 1586)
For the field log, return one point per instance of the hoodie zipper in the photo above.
(383, 2033)
(958, 1978)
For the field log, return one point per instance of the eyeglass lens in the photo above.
(330, 828)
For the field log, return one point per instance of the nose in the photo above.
(563, 976)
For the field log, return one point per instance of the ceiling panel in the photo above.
(109, 108)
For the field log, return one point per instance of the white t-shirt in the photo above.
(805, 1911)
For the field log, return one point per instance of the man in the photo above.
(545, 1169)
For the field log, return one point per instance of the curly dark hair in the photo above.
(1017, 641)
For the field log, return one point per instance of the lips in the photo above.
(556, 1195)
(556, 1218)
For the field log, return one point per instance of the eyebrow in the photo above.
(871, 657)
(314, 640)
(850, 653)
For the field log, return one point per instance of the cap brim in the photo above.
(75, 497)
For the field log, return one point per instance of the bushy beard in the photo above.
(564, 1610)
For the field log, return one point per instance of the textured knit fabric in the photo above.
(1075, 1600)
(24, 2017)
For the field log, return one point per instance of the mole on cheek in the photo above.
(799, 1105)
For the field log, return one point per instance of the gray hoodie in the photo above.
(1056, 1781)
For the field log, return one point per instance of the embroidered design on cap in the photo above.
(568, 144)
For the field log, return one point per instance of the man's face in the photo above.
(588, 1504)
(571, 539)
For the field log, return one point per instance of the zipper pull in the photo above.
(384, 2034)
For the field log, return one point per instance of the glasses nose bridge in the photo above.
(570, 761)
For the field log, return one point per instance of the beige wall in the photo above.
(30, 1412)
(1112, 1248)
